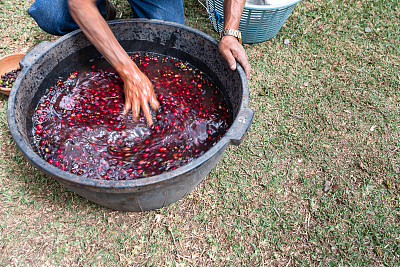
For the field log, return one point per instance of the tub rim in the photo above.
(232, 136)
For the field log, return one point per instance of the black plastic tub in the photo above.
(49, 60)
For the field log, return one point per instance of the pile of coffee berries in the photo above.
(7, 80)
(79, 125)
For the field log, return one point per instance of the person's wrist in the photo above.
(127, 69)
(232, 32)
(229, 38)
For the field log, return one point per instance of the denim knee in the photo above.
(53, 16)
(168, 10)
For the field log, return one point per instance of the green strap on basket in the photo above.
(217, 16)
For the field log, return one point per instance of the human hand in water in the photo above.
(139, 93)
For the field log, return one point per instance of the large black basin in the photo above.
(50, 60)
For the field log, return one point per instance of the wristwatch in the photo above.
(232, 32)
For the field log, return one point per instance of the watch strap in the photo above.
(232, 32)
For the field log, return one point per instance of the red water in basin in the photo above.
(79, 126)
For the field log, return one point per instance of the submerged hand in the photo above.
(139, 93)
(232, 50)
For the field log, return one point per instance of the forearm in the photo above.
(95, 28)
(232, 13)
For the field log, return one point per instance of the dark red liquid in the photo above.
(79, 125)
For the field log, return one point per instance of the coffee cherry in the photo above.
(7, 80)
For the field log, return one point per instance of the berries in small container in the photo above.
(9, 70)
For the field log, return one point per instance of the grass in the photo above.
(327, 109)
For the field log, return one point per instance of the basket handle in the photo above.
(239, 129)
(32, 55)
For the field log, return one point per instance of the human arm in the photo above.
(139, 91)
(229, 46)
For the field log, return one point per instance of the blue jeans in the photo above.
(53, 15)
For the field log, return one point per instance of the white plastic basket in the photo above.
(258, 22)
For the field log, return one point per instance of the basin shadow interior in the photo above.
(121, 160)
(83, 59)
